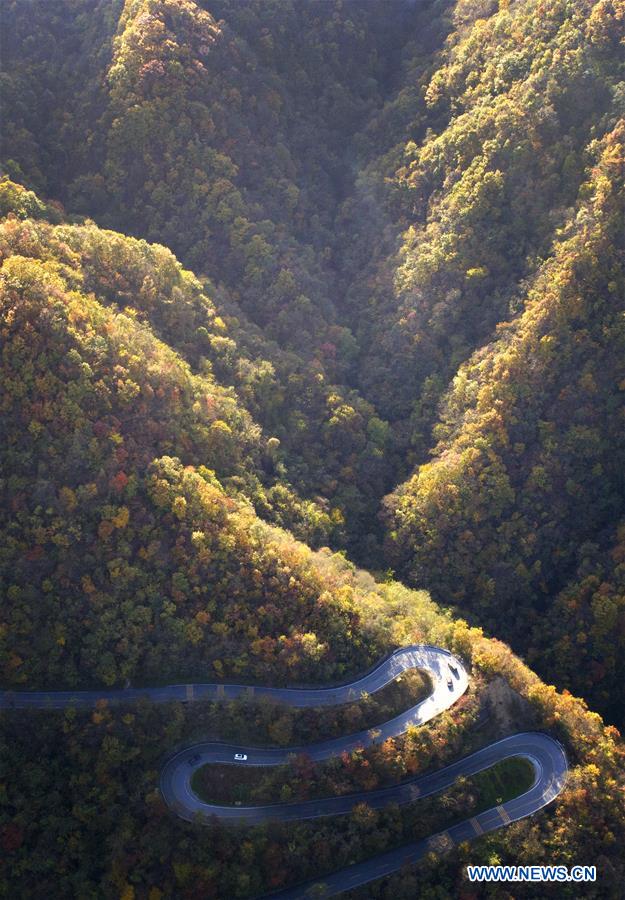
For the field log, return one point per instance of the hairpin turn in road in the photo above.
(449, 680)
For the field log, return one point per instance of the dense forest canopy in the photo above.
(286, 283)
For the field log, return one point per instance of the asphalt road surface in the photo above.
(449, 680)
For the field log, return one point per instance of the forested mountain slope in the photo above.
(530, 462)
(485, 150)
(366, 198)
(98, 417)
(194, 132)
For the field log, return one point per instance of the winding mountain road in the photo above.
(449, 681)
